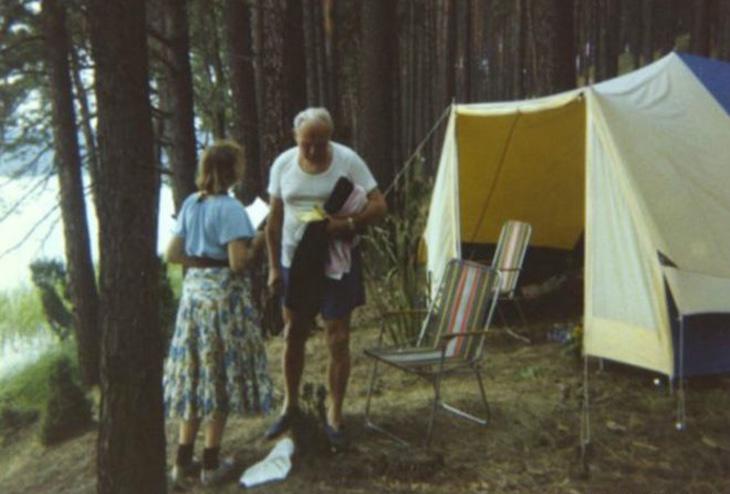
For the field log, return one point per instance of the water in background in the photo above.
(33, 230)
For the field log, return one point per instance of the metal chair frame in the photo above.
(432, 362)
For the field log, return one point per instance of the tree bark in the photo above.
(295, 68)
(131, 445)
(92, 155)
(375, 136)
(178, 108)
(723, 30)
(647, 31)
(269, 53)
(82, 282)
(699, 39)
(607, 39)
(555, 46)
(239, 37)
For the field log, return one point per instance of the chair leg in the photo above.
(487, 409)
(520, 312)
(483, 421)
(436, 404)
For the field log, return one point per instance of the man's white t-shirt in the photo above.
(301, 191)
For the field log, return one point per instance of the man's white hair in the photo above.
(313, 114)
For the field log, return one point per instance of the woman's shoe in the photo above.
(224, 473)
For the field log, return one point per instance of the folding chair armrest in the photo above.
(445, 338)
(450, 336)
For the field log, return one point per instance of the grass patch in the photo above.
(22, 313)
(28, 388)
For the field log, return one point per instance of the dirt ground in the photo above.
(530, 446)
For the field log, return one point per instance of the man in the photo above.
(301, 179)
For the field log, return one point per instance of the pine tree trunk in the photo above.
(375, 136)
(700, 34)
(342, 26)
(723, 30)
(556, 45)
(180, 127)
(131, 445)
(274, 130)
(608, 39)
(463, 62)
(239, 37)
(295, 67)
(92, 154)
(82, 280)
(647, 31)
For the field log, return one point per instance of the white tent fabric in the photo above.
(657, 173)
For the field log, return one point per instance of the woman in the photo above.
(217, 362)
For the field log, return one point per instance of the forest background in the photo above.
(115, 98)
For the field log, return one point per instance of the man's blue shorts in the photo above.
(342, 296)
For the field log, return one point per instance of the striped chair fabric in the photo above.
(464, 304)
(510, 253)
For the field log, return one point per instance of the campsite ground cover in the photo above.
(530, 446)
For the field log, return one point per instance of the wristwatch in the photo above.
(351, 222)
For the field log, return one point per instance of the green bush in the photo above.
(67, 411)
(13, 419)
(49, 277)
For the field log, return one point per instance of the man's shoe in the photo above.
(336, 437)
(283, 423)
(223, 473)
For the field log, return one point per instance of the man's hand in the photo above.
(275, 281)
(343, 228)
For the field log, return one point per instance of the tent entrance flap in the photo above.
(523, 166)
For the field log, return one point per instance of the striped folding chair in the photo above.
(451, 339)
(508, 258)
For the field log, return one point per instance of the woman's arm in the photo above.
(242, 251)
(175, 252)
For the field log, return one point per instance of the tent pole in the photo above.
(585, 422)
(681, 423)
(407, 162)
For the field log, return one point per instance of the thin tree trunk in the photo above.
(723, 30)
(647, 31)
(73, 208)
(699, 39)
(275, 130)
(239, 37)
(608, 17)
(375, 136)
(180, 126)
(295, 68)
(462, 62)
(92, 155)
(131, 445)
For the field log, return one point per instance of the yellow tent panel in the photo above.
(527, 166)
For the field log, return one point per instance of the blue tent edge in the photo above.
(713, 74)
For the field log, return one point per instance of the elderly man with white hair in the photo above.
(301, 180)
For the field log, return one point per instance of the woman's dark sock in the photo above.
(184, 455)
(210, 458)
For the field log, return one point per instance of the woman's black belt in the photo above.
(207, 262)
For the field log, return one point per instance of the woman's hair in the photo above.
(220, 167)
(313, 114)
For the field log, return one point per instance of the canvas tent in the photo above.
(639, 165)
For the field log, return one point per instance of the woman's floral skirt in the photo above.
(217, 360)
